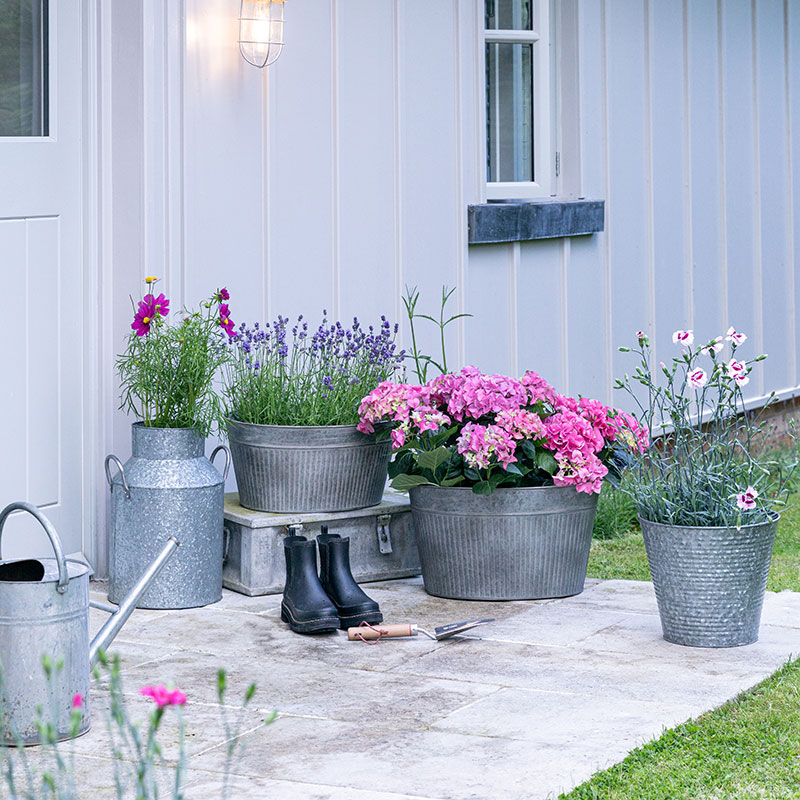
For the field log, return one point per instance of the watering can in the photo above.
(44, 611)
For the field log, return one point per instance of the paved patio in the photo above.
(527, 707)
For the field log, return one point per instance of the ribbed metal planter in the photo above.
(167, 488)
(302, 469)
(515, 544)
(709, 582)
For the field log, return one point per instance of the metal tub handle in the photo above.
(227, 459)
(63, 575)
(121, 469)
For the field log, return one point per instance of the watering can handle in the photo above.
(121, 469)
(227, 459)
(63, 574)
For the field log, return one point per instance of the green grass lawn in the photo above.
(747, 749)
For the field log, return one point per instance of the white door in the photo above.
(44, 335)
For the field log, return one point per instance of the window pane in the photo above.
(509, 15)
(23, 68)
(509, 112)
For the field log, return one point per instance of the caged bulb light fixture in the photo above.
(261, 31)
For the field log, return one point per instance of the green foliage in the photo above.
(616, 513)
(166, 377)
(707, 451)
(422, 361)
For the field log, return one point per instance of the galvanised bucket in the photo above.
(515, 544)
(305, 469)
(44, 611)
(709, 582)
(167, 488)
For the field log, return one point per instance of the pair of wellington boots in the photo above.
(317, 603)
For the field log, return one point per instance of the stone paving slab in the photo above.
(521, 709)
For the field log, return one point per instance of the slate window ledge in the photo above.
(524, 220)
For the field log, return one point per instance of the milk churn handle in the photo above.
(63, 575)
(227, 459)
(125, 486)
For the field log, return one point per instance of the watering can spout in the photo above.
(115, 622)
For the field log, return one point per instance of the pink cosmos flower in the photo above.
(747, 499)
(144, 316)
(226, 323)
(163, 696)
(683, 337)
(159, 304)
(698, 378)
(223, 294)
(77, 700)
(734, 336)
(713, 347)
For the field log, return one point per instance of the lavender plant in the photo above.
(707, 466)
(288, 376)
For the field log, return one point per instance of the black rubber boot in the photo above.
(305, 605)
(352, 604)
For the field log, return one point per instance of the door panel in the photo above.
(42, 347)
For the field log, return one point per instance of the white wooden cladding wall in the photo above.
(689, 128)
(343, 173)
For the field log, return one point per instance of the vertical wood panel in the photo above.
(778, 282)
(430, 171)
(739, 180)
(792, 22)
(490, 336)
(366, 167)
(667, 114)
(44, 285)
(301, 169)
(223, 151)
(627, 222)
(539, 304)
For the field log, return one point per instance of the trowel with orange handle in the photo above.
(372, 634)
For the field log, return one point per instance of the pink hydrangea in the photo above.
(582, 470)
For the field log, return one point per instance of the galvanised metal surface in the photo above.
(174, 491)
(49, 617)
(515, 544)
(709, 582)
(305, 469)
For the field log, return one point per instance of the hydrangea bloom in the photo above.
(494, 415)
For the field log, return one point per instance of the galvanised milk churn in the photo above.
(44, 612)
(167, 488)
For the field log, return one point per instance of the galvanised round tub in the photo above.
(709, 582)
(514, 544)
(303, 469)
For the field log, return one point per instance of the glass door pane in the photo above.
(23, 68)
(509, 112)
(509, 15)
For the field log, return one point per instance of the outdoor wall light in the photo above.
(261, 31)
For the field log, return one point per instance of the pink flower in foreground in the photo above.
(163, 696)
(698, 378)
(160, 304)
(683, 337)
(223, 294)
(747, 499)
(77, 700)
(734, 336)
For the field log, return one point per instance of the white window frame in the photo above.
(544, 182)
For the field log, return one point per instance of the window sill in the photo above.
(525, 220)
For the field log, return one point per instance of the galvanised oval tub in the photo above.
(709, 582)
(514, 544)
(303, 469)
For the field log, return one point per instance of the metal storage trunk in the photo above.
(382, 544)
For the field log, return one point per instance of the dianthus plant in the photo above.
(487, 431)
(707, 466)
(167, 371)
(288, 376)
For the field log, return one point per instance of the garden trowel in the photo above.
(372, 634)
